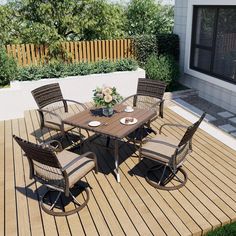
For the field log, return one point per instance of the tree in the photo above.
(9, 25)
(148, 17)
(105, 21)
(47, 21)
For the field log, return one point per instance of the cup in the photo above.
(129, 108)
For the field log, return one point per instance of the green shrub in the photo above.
(104, 66)
(85, 68)
(8, 68)
(226, 230)
(59, 69)
(168, 44)
(163, 68)
(160, 44)
(126, 65)
(29, 73)
(144, 46)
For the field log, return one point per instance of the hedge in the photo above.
(57, 70)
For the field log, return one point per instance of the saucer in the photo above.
(94, 123)
(130, 110)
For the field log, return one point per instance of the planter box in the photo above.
(16, 99)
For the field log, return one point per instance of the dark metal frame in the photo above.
(52, 174)
(176, 160)
(208, 48)
(153, 89)
(48, 95)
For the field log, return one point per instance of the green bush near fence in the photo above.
(159, 56)
(8, 68)
(145, 45)
(58, 70)
(168, 44)
(164, 68)
(160, 44)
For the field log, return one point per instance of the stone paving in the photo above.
(216, 115)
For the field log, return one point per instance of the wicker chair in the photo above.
(170, 153)
(149, 95)
(53, 108)
(59, 171)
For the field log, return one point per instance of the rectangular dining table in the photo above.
(111, 126)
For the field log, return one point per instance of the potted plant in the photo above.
(106, 97)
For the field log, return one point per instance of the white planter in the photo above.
(16, 99)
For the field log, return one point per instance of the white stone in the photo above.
(194, 109)
(225, 114)
(227, 128)
(233, 134)
(215, 132)
(233, 119)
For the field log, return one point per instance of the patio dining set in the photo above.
(62, 170)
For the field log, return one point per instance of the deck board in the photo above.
(2, 177)
(132, 207)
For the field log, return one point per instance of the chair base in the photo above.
(61, 212)
(164, 180)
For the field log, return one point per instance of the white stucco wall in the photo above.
(214, 90)
(18, 98)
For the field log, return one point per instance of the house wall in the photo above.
(214, 90)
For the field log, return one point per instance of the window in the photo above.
(213, 49)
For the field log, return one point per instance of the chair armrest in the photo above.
(87, 154)
(172, 125)
(48, 144)
(79, 103)
(51, 113)
(128, 98)
(157, 103)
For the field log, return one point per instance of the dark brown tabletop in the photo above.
(111, 126)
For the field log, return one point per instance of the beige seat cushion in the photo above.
(160, 148)
(53, 122)
(77, 170)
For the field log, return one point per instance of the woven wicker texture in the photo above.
(152, 88)
(47, 94)
(191, 131)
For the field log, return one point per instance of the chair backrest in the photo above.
(151, 88)
(185, 145)
(47, 94)
(191, 131)
(35, 152)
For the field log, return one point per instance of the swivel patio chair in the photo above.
(53, 108)
(59, 171)
(149, 95)
(170, 154)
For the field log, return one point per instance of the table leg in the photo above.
(117, 161)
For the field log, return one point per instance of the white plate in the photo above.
(129, 110)
(122, 121)
(94, 123)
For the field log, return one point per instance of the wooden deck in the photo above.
(132, 207)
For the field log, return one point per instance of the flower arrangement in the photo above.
(106, 97)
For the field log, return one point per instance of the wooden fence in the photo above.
(90, 51)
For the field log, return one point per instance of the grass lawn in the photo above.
(227, 230)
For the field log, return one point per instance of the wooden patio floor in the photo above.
(130, 208)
